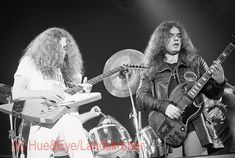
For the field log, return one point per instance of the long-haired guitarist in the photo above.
(173, 59)
(51, 61)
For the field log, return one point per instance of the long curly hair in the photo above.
(46, 52)
(154, 54)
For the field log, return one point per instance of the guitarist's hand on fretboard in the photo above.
(83, 87)
(86, 86)
(217, 72)
(172, 111)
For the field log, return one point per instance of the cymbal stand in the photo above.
(12, 134)
(21, 141)
(142, 154)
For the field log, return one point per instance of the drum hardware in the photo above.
(103, 114)
(126, 82)
(16, 141)
(105, 130)
(12, 136)
(20, 140)
(122, 134)
(5, 97)
(98, 110)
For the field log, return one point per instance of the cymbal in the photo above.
(5, 93)
(117, 84)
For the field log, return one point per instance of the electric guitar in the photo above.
(174, 131)
(42, 111)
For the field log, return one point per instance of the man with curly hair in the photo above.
(50, 63)
(172, 59)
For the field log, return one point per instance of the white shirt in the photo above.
(36, 80)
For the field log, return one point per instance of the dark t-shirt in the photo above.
(173, 81)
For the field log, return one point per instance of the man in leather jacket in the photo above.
(172, 59)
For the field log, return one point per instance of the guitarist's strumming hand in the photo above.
(56, 95)
(217, 72)
(172, 111)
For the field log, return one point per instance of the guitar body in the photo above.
(174, 131)
(35, 110)
(41, 111)
(38, 111)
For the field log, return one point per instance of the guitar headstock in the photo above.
(139, 67)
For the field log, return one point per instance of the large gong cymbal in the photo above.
(5, 93)
(116, 84)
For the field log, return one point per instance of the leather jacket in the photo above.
(152, 94)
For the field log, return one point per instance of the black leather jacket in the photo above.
(152, 94)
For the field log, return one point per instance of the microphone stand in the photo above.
(142, 154)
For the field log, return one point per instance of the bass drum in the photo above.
(110, 141)
(152, 145)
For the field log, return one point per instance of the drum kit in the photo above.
(112, 140)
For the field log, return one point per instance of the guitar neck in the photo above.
(95, 80)
(193, 92)
(100, 77)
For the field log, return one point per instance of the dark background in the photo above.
(104, 27)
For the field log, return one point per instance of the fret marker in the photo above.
(192, 93)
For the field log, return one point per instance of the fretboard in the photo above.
(193, 92)
(95, 80)
(105, 75)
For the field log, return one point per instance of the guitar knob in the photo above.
(182, 129)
